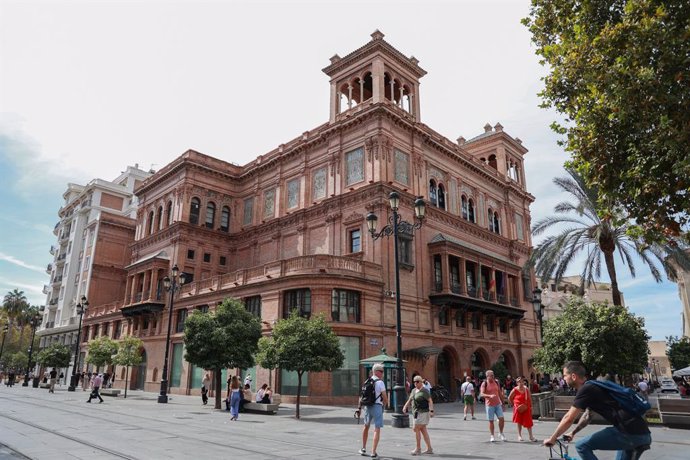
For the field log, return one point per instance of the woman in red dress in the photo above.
(521, 399)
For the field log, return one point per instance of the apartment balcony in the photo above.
(484, 303)
(46, 289)
(53, 250)
(57, 279)
(49, 269)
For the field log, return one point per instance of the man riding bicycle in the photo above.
(628, 433)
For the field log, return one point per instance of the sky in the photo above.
(88, 88)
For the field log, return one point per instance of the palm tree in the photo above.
(14, 303)
(600, 235)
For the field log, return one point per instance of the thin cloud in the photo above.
(20, 263)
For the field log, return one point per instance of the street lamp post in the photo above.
(5, 329)
(539, 311)
(172, 284)
(396, 226)
(74, 380)
(35, 321)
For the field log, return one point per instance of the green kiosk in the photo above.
(389, 373)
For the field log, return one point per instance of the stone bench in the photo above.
(260, 408)
(674, 412)
(110, 392)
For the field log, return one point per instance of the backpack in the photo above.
(627, 398)
(367, 395)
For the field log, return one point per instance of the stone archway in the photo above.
(446, 366)
(138, 379)
(510, 362)
(479, 362)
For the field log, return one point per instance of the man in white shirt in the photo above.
(374, 412)
(467, 392)
(643, 388)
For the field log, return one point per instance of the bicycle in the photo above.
(439, 394)
(564, 442)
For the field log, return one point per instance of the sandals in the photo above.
(416, 452)
(428, 451)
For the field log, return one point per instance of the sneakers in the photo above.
(428, 452)
(492, 439)
(474, 418)
(465, 417)
(374, 455)
(502, 436)
(363, 452)
(416, 452)
(520, 439)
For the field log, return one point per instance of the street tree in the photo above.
(226, 338)
(101, 351)
(302, 345)
(618, 75)
(678, 351)
(55, 355)
(14, 304)
(583, 228)
(606, 338)
(128, 354)
(17, 361)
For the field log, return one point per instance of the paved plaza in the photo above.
(38, 425)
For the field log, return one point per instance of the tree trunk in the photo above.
(126, 380)
(219, 387)
(299, 392)
(611, 268)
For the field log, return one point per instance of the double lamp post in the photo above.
(395, 228)
(172, 284)
(35, 321)
(74, 380)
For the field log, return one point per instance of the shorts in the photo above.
(375, 413)
(494, 410)
(469, 400)
(421, 419)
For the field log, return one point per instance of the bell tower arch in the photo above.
(376, 73)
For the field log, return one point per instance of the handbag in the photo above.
(522, 408)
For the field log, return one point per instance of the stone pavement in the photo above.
(38, 425)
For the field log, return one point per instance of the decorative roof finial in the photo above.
(377, 35)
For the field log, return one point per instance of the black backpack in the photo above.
(367, 395)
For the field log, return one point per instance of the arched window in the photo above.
(441, 197)
(194, 209)
(497, 227)
(463, 201)
(433, 197)
(492, 161)
(168, 214)
(151, 218)
(210, 214)
(470, 210)
(159, 218)
(225, 219)
(491, 220)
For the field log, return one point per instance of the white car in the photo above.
(668, 386)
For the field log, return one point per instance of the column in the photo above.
(463, 276)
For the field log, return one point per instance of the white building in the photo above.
(555, 297)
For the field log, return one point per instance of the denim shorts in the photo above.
(494, 410)
(374, 413)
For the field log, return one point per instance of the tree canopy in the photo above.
(226, 338)
(55, 355)
(584, 229)
(101, 351)
(619, 75)
(128, 354)
(301, 345)
(678, 352)
(606, 338)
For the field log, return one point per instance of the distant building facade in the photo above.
(659, 364)
(683, 281)
(555, 297)
(287, 232)
(94, 232)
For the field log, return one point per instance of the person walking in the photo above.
(494, 401)
(96, 383)
(628, 433)
(53, 380)
(422, 411)
(205, 385)
(467, 392)
(521, 399)
(374, 412)
(234, 395)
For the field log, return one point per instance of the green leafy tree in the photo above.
(606, 338)
(500, 371)
(585, 230)
(618, 74)
(224, 339)
(55, 355)
(678, 351)
(301, 345)
(15, 304)
(17, 361)
(101, 351)
(128, 354)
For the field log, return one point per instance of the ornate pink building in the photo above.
(288, 231)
